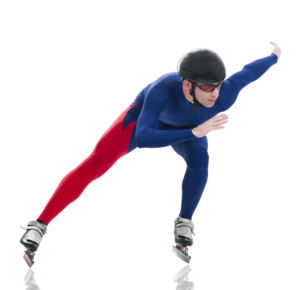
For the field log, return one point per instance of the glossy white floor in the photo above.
(121, 233)
(235, 247)
(69, 68)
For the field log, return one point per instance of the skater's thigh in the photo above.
(119, 138)
(193, 151)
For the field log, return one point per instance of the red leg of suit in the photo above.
(111, 146)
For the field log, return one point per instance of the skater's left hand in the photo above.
(276, 50)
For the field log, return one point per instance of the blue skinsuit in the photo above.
(161, 106)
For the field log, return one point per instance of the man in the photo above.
(178, 109)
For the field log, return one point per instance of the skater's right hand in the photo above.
(212, 124)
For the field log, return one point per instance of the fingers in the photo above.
(220, 127)
(275, 44)
(219, 117)
(214, 123)
(272, 42)
(217, 127)
(276, 50)
(220, 122)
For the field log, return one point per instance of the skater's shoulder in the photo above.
(165, 82)
(168, 78)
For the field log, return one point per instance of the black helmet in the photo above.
(203, 66)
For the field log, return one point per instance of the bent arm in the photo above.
(147, 135)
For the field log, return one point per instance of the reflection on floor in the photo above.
(30, 281)
(182, 279)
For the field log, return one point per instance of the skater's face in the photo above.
(207, 99)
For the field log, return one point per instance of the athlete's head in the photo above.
(201, 67)
(202, 92)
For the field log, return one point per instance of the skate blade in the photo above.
(181, 255)
(28, 261)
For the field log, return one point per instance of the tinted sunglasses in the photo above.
(208, 88)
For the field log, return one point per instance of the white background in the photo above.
(68, 69)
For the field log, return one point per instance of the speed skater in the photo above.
(178, 109)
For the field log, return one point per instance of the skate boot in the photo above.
(32, 239)
(183, 231)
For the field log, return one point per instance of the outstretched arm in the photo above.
(250, 73)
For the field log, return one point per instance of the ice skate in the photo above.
(183, 231)
(32, 239)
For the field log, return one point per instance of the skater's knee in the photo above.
(91, 166)
(197, 158)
